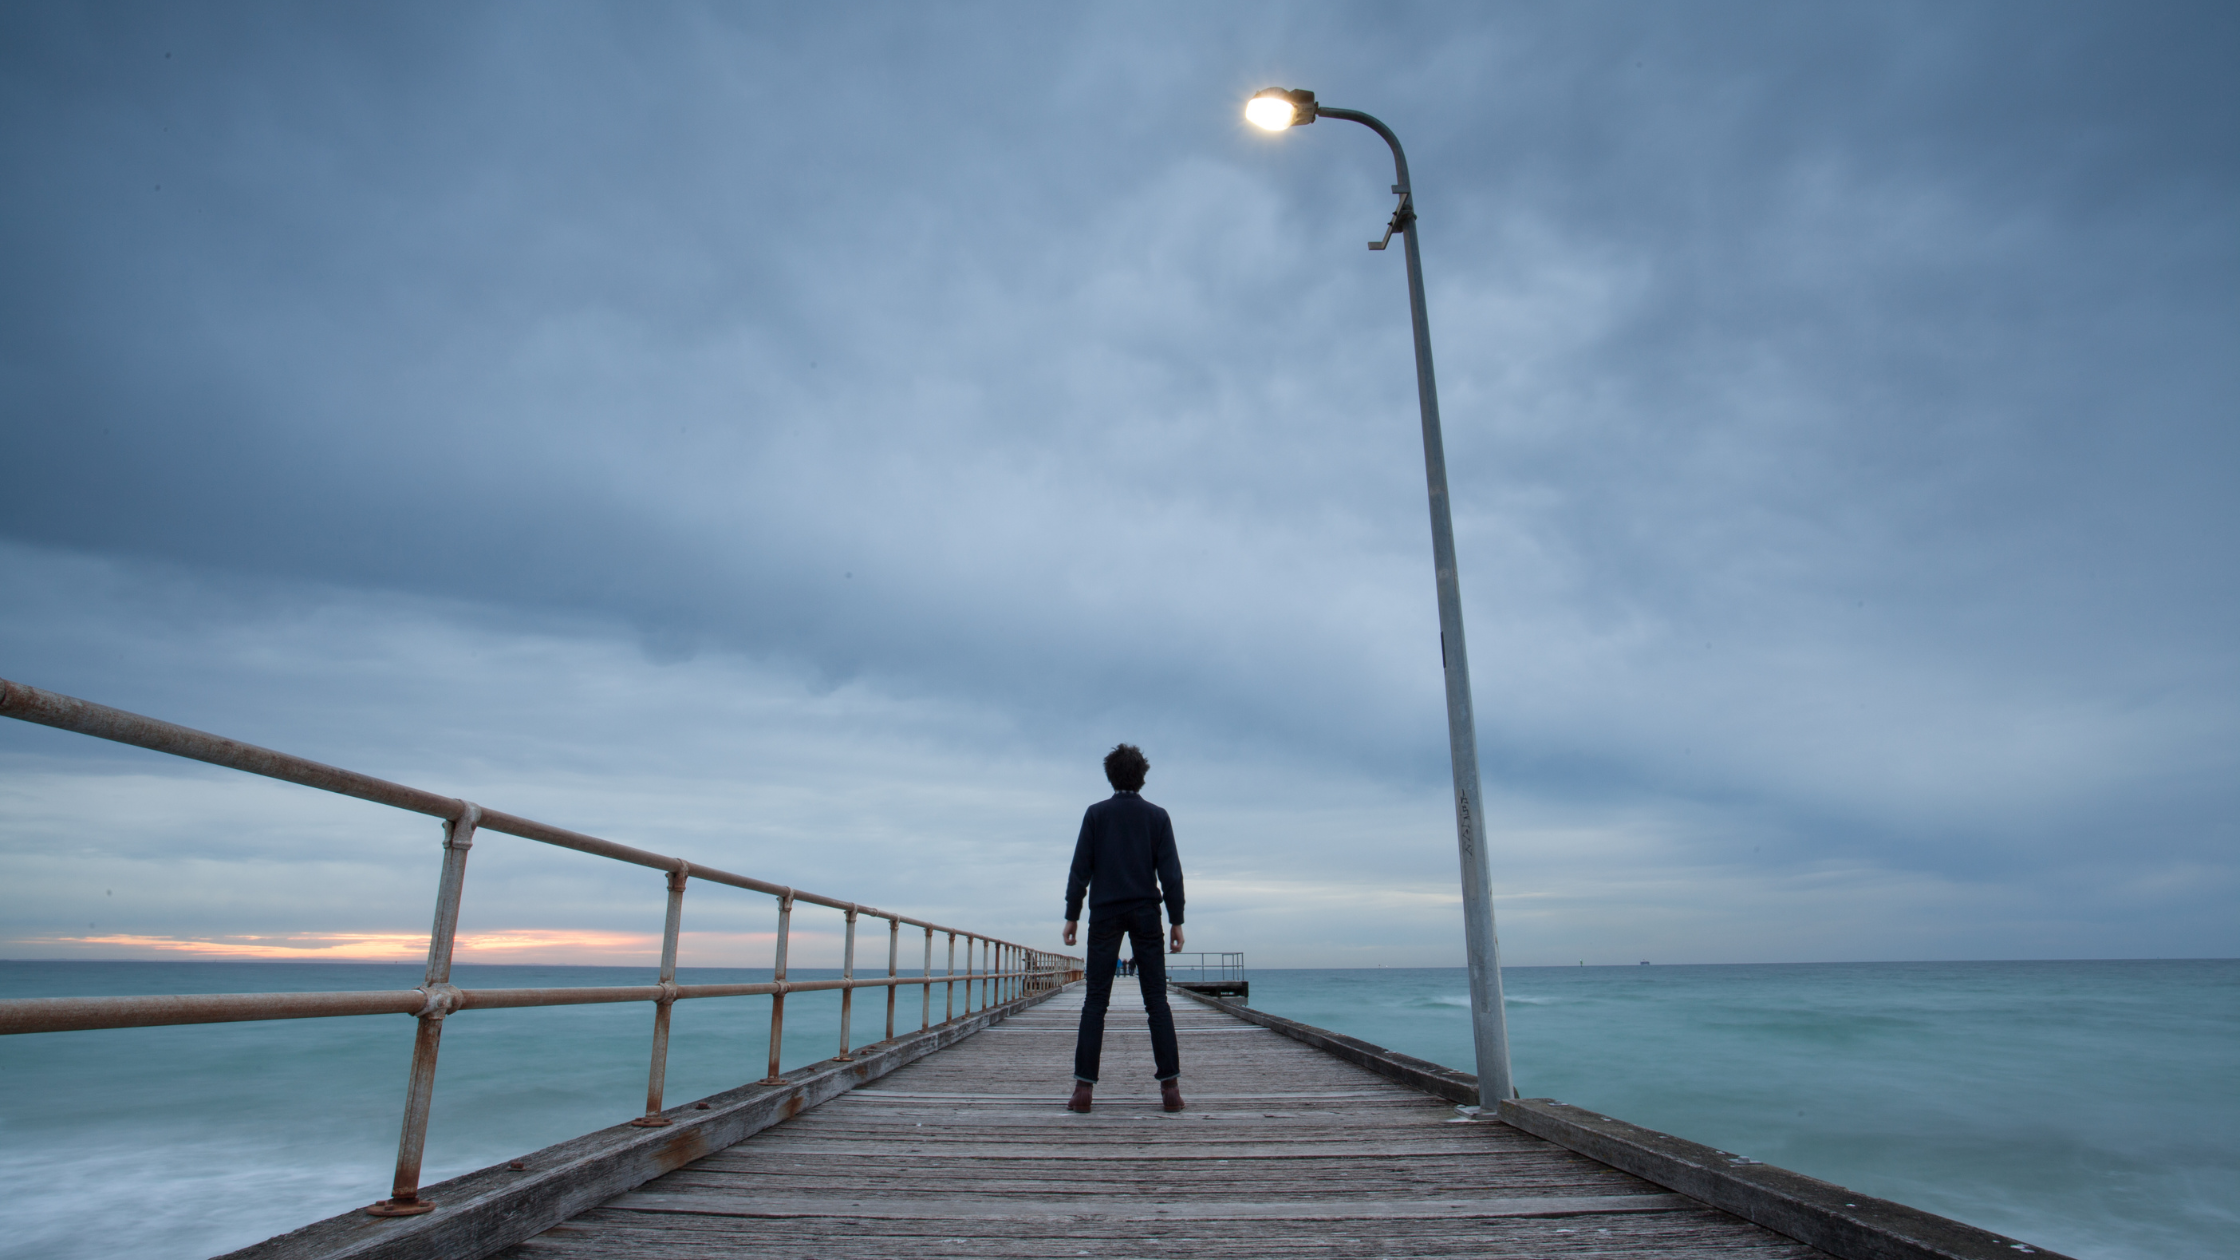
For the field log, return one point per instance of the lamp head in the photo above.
(1277, 108)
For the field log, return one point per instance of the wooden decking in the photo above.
(1285, 1150)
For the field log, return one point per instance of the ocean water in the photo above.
(2091, 1107)
(194, 1140)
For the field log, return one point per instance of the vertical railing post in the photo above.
(657, 1076)
(894, 955)
(778, 998)
(404, 1190)
(847, 972)
(949, 1007)
(925, 991)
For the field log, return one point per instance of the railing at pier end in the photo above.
(1220, 974)
(1002, 972)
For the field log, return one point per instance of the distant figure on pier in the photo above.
(1125, 864)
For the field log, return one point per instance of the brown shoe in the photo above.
(1080, 1100)
(1170, 1095)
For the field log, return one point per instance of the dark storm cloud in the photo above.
(1840, 398)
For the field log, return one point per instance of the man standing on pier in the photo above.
(1125, 863)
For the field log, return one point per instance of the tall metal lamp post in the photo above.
(1277, 109)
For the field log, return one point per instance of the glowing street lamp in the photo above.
(1278, 109)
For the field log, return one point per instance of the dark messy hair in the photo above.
(1125, 767)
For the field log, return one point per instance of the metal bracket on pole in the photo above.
(1402, 215)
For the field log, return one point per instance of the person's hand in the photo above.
(1071, 924)
(1174, 939)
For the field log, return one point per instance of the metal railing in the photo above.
(1228, 969)
(1005, 971)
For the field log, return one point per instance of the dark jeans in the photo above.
(1141, 926)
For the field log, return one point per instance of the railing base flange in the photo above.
(390, 1207)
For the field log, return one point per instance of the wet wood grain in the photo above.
(1285, 1149)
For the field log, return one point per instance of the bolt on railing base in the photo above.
(405, 1207)
(649, 1122)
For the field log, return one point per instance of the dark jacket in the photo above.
(1126, 857)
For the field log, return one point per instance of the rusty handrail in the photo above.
(81, 1014)
(48, 708)
(1006, 970)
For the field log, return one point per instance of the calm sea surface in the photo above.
(2091, 1107)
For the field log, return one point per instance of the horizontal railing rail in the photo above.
(80, 1014)
(1005, 971)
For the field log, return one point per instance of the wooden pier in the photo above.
(1297, 1141)
(1284, 1150)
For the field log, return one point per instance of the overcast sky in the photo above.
(804, 438)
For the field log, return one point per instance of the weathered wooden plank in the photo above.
(1075, 1207)
(775, 1160)
(1395, 1181)
(1660, 1236)
(1095, 1152)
